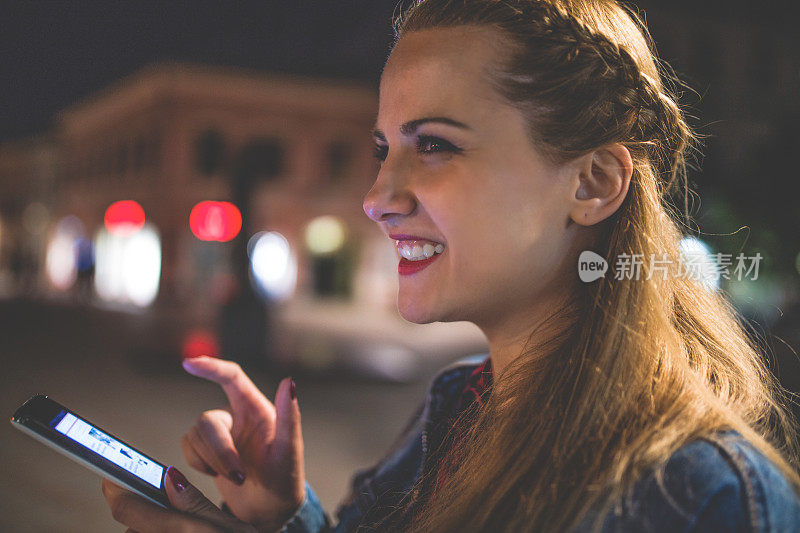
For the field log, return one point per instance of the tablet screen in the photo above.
(107, 446)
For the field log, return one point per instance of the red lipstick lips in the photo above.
(405, 267)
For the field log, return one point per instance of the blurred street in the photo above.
(78, 357)
(174, 185)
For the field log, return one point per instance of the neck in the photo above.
(535, 326)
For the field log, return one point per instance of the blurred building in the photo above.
(27, 177)
(295, 157)
(171, 136)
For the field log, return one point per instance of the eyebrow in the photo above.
(411, 126)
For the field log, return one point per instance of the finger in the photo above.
(240, 390)
(187, 498)
(214, 431)
(193, 458)
(205, 453)
(287, 428)
(288, 434)
(133, 511)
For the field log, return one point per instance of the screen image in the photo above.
(110, 448)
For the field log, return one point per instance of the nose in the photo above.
(385, 200)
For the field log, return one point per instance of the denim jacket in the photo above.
(720, 483)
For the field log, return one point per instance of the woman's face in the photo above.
(481, 190)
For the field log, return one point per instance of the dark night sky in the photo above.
(55, 53)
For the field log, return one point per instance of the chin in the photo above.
(416, 312)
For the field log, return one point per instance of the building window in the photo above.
(92, 164)
(339, 156)
(154, 157)
(139, 153)
(332, 255)
(261, 158)
(209, 152)
(88, 165)
(122, 159)
(105, 162)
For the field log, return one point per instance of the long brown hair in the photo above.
(646, 365)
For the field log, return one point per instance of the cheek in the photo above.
(507, 238)
(494, 219)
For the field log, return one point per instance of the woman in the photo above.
(514, 135)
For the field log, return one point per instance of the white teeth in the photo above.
(418, 250)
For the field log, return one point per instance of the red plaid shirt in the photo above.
(478, 382)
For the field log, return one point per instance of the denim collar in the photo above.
(441, 402)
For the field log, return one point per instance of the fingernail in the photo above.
(178, 480)
(291, 390)
(237, 477)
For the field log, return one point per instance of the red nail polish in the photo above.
(178, 480)
(237, 477)
(291, 389)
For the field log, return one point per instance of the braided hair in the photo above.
(585, 81)
(574, 421)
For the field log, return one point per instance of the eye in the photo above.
(436, 145)
(380, 152)
(443, 146)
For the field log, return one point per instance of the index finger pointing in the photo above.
(241, 392)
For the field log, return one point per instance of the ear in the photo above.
(601, 184)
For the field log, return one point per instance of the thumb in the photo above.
(187, 498)
(288, 434)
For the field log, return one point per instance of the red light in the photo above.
(200, 342)
(123, 218)
(215, 221)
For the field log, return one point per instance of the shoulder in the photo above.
(760, 493)
(450, 377)
(714, 484)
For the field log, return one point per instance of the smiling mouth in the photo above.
(418, 250)
(406, 266)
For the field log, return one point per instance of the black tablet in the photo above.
(88, 444)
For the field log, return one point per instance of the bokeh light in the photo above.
(123, 218)
(325, 235)
(61, 262)
(84, 254)
(199, 342)
(699, 260)
(128, 267)
(215, 221)
(273, 265)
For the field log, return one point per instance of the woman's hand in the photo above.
(192, 511)
(253, 448)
